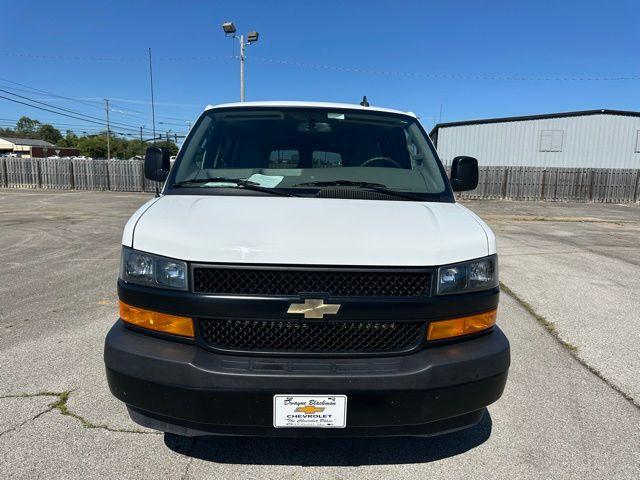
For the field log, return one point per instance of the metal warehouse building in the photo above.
(585, 139)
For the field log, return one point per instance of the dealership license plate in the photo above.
(310, 411)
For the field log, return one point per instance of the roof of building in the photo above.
(579, 113)
(309, 105)
(28, 142)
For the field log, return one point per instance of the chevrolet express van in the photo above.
(307, 271)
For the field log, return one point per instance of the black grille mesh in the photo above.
(314, 337)
(340, 283)
(353, 193)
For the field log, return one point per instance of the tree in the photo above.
(70, 140)
(49, 133)
(27, 127)
(172, 147)
(7, 132)
(93, 146)
(135, 147)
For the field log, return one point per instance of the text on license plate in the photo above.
(310, 411)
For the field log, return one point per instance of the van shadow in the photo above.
(344, 452)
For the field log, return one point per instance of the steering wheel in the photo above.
(381, 159)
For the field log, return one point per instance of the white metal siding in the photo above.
(595, 141)
(5, 144)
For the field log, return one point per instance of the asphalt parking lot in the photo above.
(570, 309)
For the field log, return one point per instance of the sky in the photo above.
(445, 61)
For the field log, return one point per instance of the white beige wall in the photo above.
(595, 141)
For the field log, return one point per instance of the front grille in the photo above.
(293, 282)
(311, 337)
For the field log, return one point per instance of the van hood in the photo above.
(309, 231)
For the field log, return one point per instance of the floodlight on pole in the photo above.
(229, 30)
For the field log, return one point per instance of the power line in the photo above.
(53, 106)
(114, 108)
(141, 114)
(62, 126)
(48, 93)
(93, 103)
(113, 59)
(71, 57)
(53, 111)
(147, 102)
(78, 131)
(76, 115)
(447, 76)
(359, 70)
(47, 110)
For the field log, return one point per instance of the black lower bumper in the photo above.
(184, 389)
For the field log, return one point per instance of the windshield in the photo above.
(303, 151)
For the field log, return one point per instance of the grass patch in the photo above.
(60, 404)
(571, 348)
(548, 325)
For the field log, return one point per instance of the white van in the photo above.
(307, 271)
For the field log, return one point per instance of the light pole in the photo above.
(106, 107)
(153, 108)
(252, 37)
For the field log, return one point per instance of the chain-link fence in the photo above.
(515, 183)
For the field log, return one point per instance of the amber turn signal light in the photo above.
(160, 322)
(457, 327)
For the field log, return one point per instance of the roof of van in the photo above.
(349, 106)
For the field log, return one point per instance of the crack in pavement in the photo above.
(534, 218)
(61, 406)
(185, 475)
(39, 414)
(183, 449)
(572, 349)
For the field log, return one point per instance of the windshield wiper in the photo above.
(377, 187)
(239, 183)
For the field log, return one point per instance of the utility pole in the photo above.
(153, 111)
(106, 103)
(141, 143)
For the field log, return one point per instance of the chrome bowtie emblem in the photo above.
(314, 308)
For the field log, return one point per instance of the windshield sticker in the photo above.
(267, 181)
(336, 116)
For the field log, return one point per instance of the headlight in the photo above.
(152, 270)
(480, 274)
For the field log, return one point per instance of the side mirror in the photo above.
(156, 164)
(464, 173)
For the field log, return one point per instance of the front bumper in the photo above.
(184, 389)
